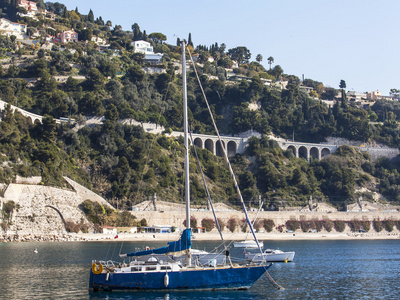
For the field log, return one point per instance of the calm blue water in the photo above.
(321, 270)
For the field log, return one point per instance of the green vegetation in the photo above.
(104, 216)
(126, 165)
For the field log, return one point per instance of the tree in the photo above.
(91, 16)
(270, 61)
(94, 79)
(31, 31)
(190, 40)
(240, 54)
(137, 34)
(342, 84)
(259, 58)
(86, 34)
(40, 4)
(157, 37)
(395, 93)
(277, 71)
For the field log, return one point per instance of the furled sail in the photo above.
(185, 242)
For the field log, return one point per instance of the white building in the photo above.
(109, 230)
(143, 47)
(9, 28)
(147, 49)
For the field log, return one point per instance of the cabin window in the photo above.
(151, 268)
(136, 269)
(163, 268)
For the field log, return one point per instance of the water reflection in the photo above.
(321, 270)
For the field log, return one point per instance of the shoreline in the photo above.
(167, 237)
(209, 236)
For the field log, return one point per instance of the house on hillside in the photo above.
(9, 28)
(305, 89)
(68, 36)
(375, 95)
(147, 49)
(98, 40)
(29, 6)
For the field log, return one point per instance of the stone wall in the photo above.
(279, 217)
(43, 210)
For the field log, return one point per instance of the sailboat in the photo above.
(156, 274)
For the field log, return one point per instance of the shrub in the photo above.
(307, 225)
(258, 225)
(193, 222)
(292, 225)
(232, 224)
(279, 228)
(377, 225)
(269, 225)
(318, 225)
(143, 222)
(388, 225)
(221, 223)
(339, 226)
(397, 224)
(328, 225)
(366, 225)
(208, 224)
(243, 225)
(71, 227)
(355, 225)
(8, 208)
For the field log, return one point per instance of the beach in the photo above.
(214, 236)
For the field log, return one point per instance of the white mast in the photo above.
(186, 137)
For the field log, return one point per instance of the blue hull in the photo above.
(196, 279)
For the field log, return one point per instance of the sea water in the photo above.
(322, 269)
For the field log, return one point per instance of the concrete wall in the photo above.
(279, 217)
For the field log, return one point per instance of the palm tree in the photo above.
(259, 58)
(270, 61)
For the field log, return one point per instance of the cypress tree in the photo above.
(91, 16)
(190, 40)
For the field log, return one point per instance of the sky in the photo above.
(356, 41)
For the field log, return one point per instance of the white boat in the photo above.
(155, 274)
(271, 255)
(247, 244)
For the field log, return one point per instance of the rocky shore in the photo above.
(5, 238)
(209, 236)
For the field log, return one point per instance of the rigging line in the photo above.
(226, 156)
(208, 195)
(230, 168)
(254, 221)
(120, 249)
(108, 251)
(274, 283)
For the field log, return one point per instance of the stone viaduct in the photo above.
(235, 145)
(28, 114)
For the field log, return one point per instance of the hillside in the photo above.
(99, 73)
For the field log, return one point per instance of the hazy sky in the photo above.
(326, 40)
